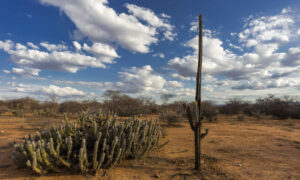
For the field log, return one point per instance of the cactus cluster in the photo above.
(94, 141)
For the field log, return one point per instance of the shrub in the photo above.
(278, 107)
(46, 112)
(18, 112)
(125, 105)
(240, 118)
(170, 118)
(27, 104)
(234, 106)
(3, 109)
(209, 111)
(94, 142)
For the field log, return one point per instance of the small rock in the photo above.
(239, 165)
(156, 176)
(1, 132)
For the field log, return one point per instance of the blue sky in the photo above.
(77, 49)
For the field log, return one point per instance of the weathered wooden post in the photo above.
(196, 123)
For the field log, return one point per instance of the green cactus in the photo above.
(96, 141)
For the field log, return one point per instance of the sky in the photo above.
(78, 49)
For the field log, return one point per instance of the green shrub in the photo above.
(95, 141)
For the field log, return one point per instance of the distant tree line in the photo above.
(280, 108)
(124, 105)
(114, 101)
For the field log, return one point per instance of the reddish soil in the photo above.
(251, 149)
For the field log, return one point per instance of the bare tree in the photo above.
(166, 97)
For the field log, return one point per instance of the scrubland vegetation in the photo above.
(59, 147)
(124, 105)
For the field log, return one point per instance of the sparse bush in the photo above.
(46, 112)
(240, 117)
(208, 111)
(257, 114)
(94, 142)
(278, 107)
(295, 112)
(123, 104)
(3, 109)
(170, 118)
(26, 105)
(175, 106)
(234, 106)
(18, 112)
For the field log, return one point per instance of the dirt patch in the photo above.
(232, 150)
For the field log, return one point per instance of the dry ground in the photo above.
(265, 149)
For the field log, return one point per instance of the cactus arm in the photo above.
(54, 154)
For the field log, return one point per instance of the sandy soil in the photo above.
(265, 149)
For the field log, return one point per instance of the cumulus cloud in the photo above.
(177, 76)
(263, 65)
(174, 84)
(33, 46)
(100, 23)
(149, 16)
(23, 72)
(277, 28)
(143, 79)
(57, 57)
(134, 81)
(6, 45)
(102, 51)
(53, 47)
(47, 90)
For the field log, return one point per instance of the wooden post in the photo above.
(196, 124)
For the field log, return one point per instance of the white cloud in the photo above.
(103, 51)
(266, 65)
(292, 57)
(163, 15)
(23, 72)
(6, 45)
(286, 10)
(142, 79)
(47, 90)
(149, 16)
(176, 75)
(81, 83)
(160, 55)
(77, 45)
(20, 47)
(32, 61)
(194, 26)
(33, 46)
(277, 28)
(134, 80)
(100, 23)
(6, 71)
(235, 47)
(174, 84)
(53, 47)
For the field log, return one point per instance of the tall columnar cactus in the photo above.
(95, 142)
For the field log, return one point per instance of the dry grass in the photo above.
(251, 149)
